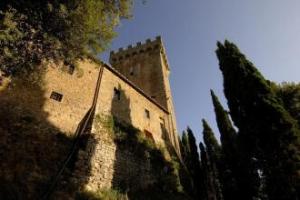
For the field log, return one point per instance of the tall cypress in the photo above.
(289, 93)
(227, 132)
(193, 149)
(194, 162)
(239, 173)
(207, 178)
(185, 147)
(214, 155)
(267, 130)
(230, 170)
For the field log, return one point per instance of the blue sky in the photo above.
(267, 31)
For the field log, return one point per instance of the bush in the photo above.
(107, 194)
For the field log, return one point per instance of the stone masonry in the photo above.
(134, 89)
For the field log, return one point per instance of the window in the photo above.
(71, 69)
(147, 114)
(162, 121)
(56, 96)
(117, 94)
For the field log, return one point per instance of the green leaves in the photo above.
(34, 31)
(267, 131)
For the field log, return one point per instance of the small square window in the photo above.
(56, 96)
(147, 114)
(117, 94)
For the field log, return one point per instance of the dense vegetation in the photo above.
(32, 32)
(259, 156)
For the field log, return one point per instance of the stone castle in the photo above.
(134, 89)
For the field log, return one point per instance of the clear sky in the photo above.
(267, 31)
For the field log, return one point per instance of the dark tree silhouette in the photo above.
(267, 130)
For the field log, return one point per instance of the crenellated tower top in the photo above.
(139, 48)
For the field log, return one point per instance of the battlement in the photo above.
(137, 49)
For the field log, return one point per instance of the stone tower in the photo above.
(146, 65)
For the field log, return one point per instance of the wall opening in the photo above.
(71, 69)
(147, 114)
(56, 96)
(117, 94)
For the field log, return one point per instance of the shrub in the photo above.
(106, 194)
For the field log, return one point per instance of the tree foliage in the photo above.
(289, 93)
(207, 178)
(259, 156)
(213, 150)
(230, 167)
(33, 31)
(266, 128)
(226, 129)
(194, 162)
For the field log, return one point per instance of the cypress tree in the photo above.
(267, 130)
(194, 162)
(227, 132)
(214, 155)
(207, 180)
(194, 156)
(184, 175)
(289, 93)
(239, 173)
(230, 169)
(185, 147)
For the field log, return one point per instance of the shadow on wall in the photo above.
(167, 138)
(32, 149)
(120, 110)
(132, 168)
(120, 106)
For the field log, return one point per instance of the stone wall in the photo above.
(146, 65)
(77, 89)
(141, 64)
(111, 166)
(131, 106)
(124, 159)
(37, 131)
